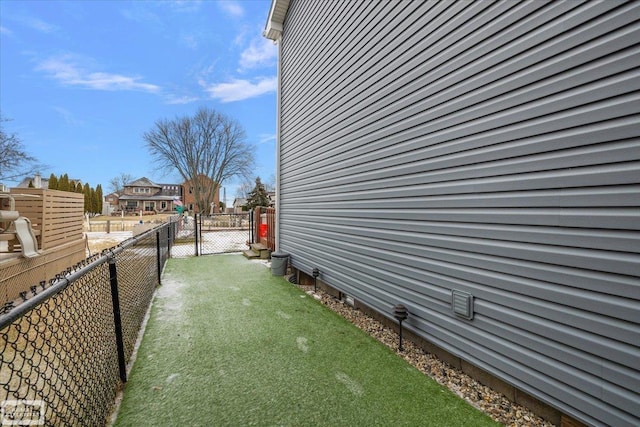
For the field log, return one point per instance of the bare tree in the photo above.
(206, 148)
(116, 184)
(270, 185)
(15, 162)
(243, 189)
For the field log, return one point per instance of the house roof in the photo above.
(44, 182)
(275, 21)
(142, 182)
(147, 197)
(25, 182)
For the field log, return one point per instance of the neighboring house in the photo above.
(145, 195)
(37, 181)
(206, 185)
(478, 162)
(112, 199)
(272, 198)
(111, 203)
(239, 205)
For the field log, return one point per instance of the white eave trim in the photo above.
(275, 21)
(273, 31)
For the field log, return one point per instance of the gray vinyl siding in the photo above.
(486, 147)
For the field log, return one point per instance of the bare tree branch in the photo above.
(117, 183)
(15, 162)
(207, 144)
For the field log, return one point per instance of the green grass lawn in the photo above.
(227, 344)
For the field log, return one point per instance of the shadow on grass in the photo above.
(227, 344)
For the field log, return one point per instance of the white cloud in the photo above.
(238, 89)
(37, 24)
(266, 138)
(260, 52)
(186, 5)
(67, 116)
(189, 40)
(67, 71)
(141, 15)
(232, 8)
(6, 31)
(179, 100)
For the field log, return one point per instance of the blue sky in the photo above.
(82, 81)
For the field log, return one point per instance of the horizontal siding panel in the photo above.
(604, 175)
(558, 236)
(588, 259)
(490, 147)
(619, 285)
(477, 163)
(372, 118)
(589, 197)
(419, 37)
(437, 262)
(585, 115)
(610, 218)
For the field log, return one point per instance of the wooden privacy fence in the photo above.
(264, 220)
(57, 215)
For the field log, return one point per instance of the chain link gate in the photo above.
(223, 233)
(212, 234)
(184, 243)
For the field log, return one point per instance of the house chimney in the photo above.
(37, 181)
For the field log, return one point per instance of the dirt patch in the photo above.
(97, 242)
(134, 218)
(97, 246)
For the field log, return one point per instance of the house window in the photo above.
(149, 206)
(163, 205)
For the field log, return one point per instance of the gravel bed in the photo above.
(496, 405)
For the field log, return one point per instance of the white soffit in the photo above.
(275, 21)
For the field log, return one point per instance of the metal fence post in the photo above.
(158, 257)
(170, 232)
(195, 230)
(113, 279)
(251, 226)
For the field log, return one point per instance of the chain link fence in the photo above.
(184, 244)
(65, 345)
(213, 234)
(224, 233)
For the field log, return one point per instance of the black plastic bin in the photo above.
(279, 261)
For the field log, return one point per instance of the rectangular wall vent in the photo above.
(462, 304)
(349, 300)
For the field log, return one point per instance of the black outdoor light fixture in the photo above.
(315, 274)
(401, 313)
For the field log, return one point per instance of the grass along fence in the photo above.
(228, 344)
(65, 347)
